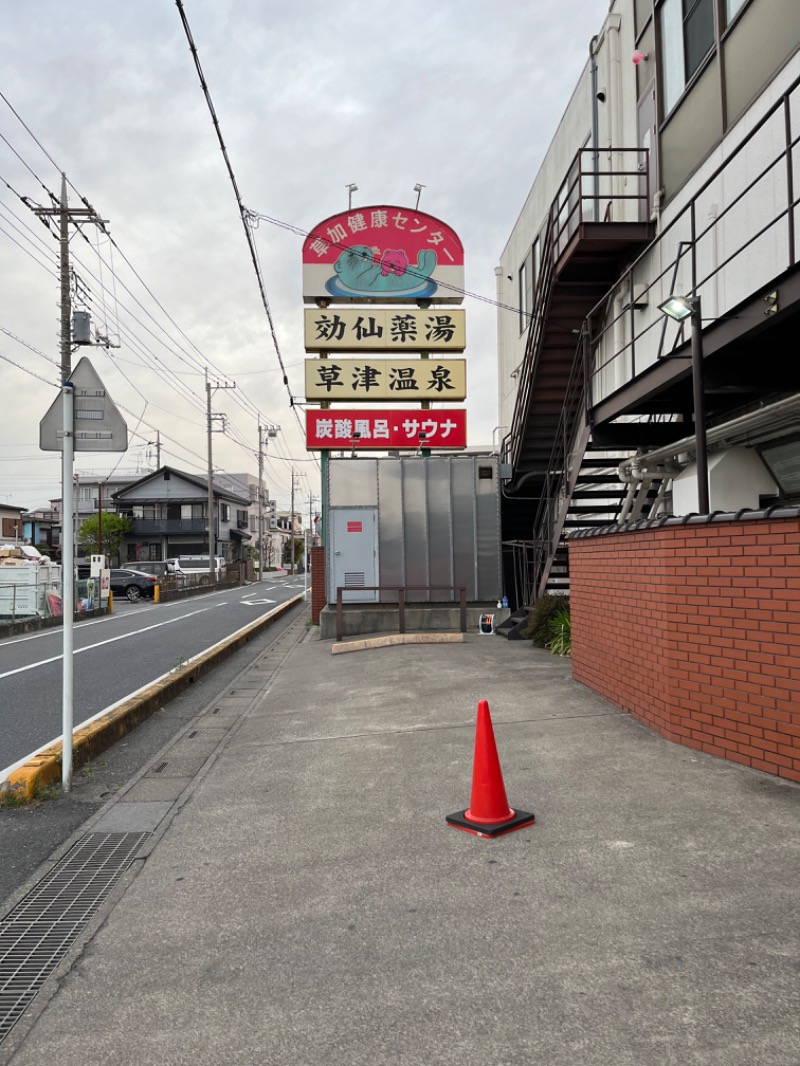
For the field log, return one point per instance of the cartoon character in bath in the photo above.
(364, 269)
(394, 262)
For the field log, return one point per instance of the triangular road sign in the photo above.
(98, 426)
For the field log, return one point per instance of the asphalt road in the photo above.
(114, 657)
(30, 834)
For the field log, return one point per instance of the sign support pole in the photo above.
(67, 585)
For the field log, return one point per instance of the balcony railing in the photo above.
(724, 254)
(150, 526)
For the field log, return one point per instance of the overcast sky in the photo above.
(462, 96)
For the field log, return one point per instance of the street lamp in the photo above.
(679, 308)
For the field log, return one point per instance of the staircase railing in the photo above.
(563, 459)
(592, 191)
(512, 444)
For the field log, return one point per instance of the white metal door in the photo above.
(354, 551)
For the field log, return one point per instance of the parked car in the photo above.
(133, 584)
(158, 568)
(195, 564)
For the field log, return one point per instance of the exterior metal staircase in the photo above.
(561, 480)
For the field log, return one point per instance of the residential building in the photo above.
(672, 172)
(11, 524)
(92, 492)
(248, 485)
(287, 525)
(169, 509)
(41, 528)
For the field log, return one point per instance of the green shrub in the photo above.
(560, 642)
(540, 616)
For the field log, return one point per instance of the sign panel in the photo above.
(98, 425)
(370, 380)
(386, 429)
(383, 254)
(383, 330)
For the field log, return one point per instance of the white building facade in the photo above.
(672, 172)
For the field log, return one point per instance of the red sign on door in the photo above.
(355, 527)
(387, 428)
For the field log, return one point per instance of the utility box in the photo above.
(405, 521)
(81, 327)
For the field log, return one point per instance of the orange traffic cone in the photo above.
(488, 814)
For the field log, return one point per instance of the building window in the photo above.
(732, 7)
(224, 512)
(687, 37)
(193, 510)
(530, 281)
(698, 32)
(522, 296)
(148, 511)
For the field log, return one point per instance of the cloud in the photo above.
(461, 96)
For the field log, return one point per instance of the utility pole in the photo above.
(212, 542)
(64, 214)
(157, 443)
(309, 541)
(99, 517)
(260, 504)
(291, 529)
(270, 431)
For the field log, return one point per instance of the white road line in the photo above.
(111, 640)
(56, 631)
(4, 773)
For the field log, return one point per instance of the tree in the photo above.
(298, 549)
(115, 526)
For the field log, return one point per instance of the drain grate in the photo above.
(38, 932)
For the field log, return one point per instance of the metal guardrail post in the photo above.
(401, 603)
(339, 613)
(462, 604)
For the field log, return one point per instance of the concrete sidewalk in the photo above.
(305, 904)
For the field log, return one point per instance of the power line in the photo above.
(32, 373)
(367, 257)
(28, 253)
(187, 357)
(243, 213)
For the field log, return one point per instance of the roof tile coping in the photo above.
(744, 515)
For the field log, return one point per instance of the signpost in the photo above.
(382, 430)
(82, 403)
(380, 329)
(407, 261)
(398, 380)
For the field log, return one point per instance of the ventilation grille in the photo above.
(38, 932)
(354, 579)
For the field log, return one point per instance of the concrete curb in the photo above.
(397, 638)
(45, 768)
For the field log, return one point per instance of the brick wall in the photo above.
(318, 596)
(695, 629)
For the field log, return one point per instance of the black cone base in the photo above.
(496, 829)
